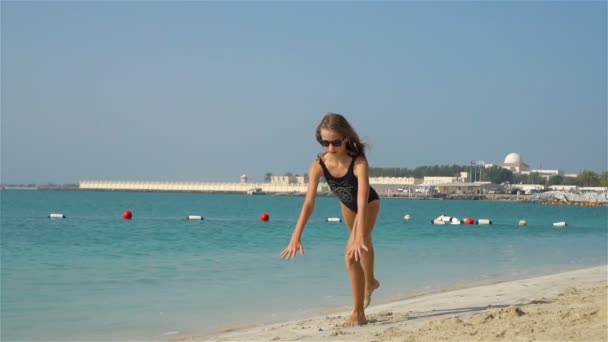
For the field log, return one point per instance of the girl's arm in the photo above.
(307, 209)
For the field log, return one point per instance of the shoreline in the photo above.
(382, 194)
(439, 315)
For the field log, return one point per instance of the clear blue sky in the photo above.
(207, 91)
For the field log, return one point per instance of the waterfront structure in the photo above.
(459, 188)
(395, 180)
(543, 173)
(287, 180)
(227, 187)
(298, 184)
(514, 162)
(441, 180)
(278, 184)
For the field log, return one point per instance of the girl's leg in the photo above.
(368, 257)
(361, 272)
(357, 282)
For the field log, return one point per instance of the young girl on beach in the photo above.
(345, 168)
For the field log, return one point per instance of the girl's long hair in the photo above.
(337, 123)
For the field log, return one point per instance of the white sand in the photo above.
(566, 306)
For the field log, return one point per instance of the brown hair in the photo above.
(339, 124)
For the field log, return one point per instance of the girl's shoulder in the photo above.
(360, 159)
(320, 160)
(318, 163)
(360, 162)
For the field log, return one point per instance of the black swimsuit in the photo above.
(346, 187)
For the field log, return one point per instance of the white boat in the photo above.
(255, 191)
(445, 219)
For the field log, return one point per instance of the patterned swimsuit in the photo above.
(346, 187)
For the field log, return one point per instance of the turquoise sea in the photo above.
(95, 276)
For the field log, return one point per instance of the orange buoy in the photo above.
(469, 220)
(264, 217)
(127, 215)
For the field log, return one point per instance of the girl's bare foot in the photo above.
(357, 318)
(368, 293)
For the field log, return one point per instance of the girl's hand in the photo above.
(356, 250)
(292, 249)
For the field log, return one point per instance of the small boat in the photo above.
(445, 219)
(255, 191)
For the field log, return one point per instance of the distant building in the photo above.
(460, 188)
(395, 180)
(463, 176)
(514, 162)
(544, 173)
(441, 180)
(287, 180)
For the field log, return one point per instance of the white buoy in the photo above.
(560, 224)
(334, 219)
(194, 218)
(484, 221)
(56, 216)
(407, 217)
(522, 223)
(438, 221)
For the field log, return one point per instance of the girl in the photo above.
(345, 168)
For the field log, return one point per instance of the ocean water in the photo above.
(95, 276)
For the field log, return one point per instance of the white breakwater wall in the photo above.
(195, 186)
(572, 196)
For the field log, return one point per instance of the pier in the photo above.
(213, 187)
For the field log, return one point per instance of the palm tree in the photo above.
(267, 177)
(587, 178)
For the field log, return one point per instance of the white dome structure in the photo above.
(515, 163)
(513, 158)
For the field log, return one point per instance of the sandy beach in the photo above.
(565, 306)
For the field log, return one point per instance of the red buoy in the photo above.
(264, 217)
(469, 220)
(127, 215)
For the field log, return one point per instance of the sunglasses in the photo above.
(334, 143)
